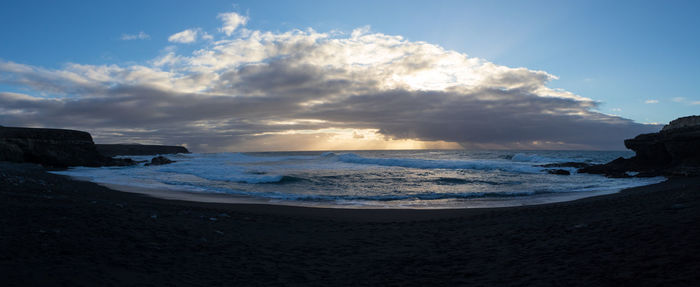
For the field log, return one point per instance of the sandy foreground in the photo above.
(55, 231)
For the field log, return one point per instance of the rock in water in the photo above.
(674, 151)
(559, 171)
(160, 160)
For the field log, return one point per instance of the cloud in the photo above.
(186, 36)
(651, 102)
(231, 21)
(303, 89)
(206, 36)
(140, 36)
(683, 100)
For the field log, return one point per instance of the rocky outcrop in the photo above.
(683, 122)
(52, 147)
(160, 160)
(137, 149)
(674, 151)
(558, 171)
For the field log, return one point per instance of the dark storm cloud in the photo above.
(282, 78)
(507, 117)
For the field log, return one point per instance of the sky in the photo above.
(340, 75)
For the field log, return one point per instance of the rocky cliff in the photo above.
(674, 151)
(137, 149)
(52, 147)
(683, 122)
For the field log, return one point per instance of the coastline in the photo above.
(179, 195)
(59, 231)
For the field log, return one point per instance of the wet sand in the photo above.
(462, 204)
(60, 232)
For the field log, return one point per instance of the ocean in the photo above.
(371, 179)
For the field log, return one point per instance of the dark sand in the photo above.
(55, 231)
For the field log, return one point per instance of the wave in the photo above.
(440, 164)
(233, 167)
(386, 198)
(521, 157)
(612, 185)
(456, 181)
(290, 179)
(228, 173)
(249, 158)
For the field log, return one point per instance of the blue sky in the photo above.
(638, 59)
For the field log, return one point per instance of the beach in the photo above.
(338, 143)
(61, 232)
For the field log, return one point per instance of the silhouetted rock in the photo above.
(615, 168)
(674, 151)
(52, 147)
(137, 149)
(684, 122)
(558, 171)
(160, 160)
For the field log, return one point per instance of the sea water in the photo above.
(373, 179)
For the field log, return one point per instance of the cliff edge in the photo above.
(674, 151)
(52, 147)
(137, 149)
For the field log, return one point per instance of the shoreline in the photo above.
(490, 179)
(59, 231)
(475, 203)
(436, 204)
(368, 214)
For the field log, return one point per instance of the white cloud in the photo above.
(207, 36)
(651, 101)
(231, 21)
(285, 88)
(186, 36)
(140, 36)
(683, 100)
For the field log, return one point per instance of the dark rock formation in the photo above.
(52, 147)
(137, 149)
(160, 160)
(558, 171)
(674, 151)
(684, 122)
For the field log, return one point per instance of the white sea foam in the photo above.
(223, 168)
(522, 157)
(443, 164)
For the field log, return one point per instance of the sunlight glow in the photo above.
(339, 139)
